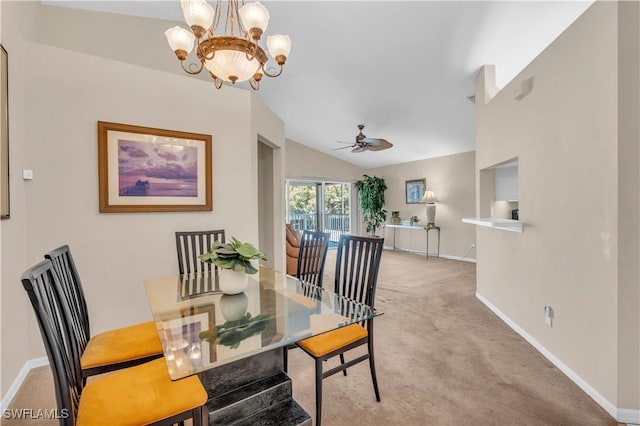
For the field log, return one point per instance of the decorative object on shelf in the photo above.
(234, 260)
(414, 220)
(430, 199)
(395, 218)
(371, 189)
(414, 190)
(142, 169)
(228, 57)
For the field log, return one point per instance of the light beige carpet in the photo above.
(442, 359)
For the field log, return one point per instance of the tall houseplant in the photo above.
(371, 189)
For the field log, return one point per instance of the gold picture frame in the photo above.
(143, 169)
(5, 211)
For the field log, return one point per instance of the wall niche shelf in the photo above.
(502, 224)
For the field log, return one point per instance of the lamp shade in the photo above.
(429, 197)
(279, 44)
(180, 39)
(197, 13)
(254, 15)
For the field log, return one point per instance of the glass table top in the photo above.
(201, 328)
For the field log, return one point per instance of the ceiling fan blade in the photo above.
(374, 141)
(350, 143)
(383, 145)
(359, 149)
(343, 147)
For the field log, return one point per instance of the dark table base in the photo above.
(253, 391)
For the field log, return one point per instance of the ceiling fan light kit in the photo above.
(228, 57)
(363, 143)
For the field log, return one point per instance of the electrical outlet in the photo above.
(473, 246)
(548, 316)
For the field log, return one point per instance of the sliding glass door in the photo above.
(318, 205)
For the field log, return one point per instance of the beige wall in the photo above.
(305, 162)
(565, 135)
(629, 206)
(54, 133)
(453, 180)
(19, 24)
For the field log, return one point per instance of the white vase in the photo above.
(233, 282)
(234, 307)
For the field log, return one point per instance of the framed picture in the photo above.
(4, 136)
(142, 169)
(415, 190)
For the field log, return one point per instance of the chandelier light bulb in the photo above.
(180, 40)
(254, 15)
(279, 47)
(197, 13)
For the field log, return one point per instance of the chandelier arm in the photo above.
(251, 52)
(217, 82)
(192, 68)
(255, 85)
(206, 51)
(268, 74)
(216, 19)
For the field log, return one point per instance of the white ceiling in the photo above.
(404, 69)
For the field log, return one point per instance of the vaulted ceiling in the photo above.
(404, 69)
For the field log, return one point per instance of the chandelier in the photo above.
(228, 57)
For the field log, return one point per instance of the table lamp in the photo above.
(430, 198)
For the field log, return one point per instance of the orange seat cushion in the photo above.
(138, 396)
(325, 343)
(122, 344)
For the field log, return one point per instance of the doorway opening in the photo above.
(320, 206)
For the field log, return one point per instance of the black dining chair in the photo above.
(356, 277)
(310, 269)
(110, 350)
(144, 394)
(312, 257)
(191, 244)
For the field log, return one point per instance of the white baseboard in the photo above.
(13, 389)
(595, 395)
(461, 258)
(630, 417)
(422, 252)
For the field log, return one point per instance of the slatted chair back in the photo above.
(312, 257)
(55, 321)
(71, 286)
(192, 244)
(357, 265)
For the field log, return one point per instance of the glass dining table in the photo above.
(235, 343)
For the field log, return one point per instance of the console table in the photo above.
(421, 228)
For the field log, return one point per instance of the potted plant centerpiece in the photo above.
(234, 260)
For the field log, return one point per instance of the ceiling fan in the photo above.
(363, 143)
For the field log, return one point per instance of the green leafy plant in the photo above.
(235, 255)
(371, 189)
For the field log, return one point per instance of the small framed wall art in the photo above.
(4, 136)
(414, 190)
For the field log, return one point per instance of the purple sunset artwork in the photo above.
(157, 170)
